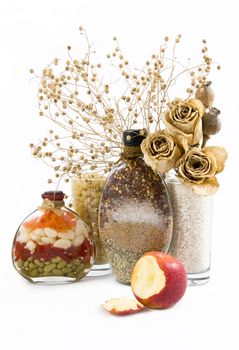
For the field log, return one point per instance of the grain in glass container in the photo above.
(135, 211)
(86, 193)
(192, 230)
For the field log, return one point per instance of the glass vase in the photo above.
(135, 212)
(192, 226)
(53, 245)
(86, 193)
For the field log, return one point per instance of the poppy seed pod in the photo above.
(211, 122)
(206, 94)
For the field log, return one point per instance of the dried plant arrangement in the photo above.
(90, 111)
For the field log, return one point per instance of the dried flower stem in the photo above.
(79, 100)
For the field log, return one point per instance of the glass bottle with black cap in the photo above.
(135, 215)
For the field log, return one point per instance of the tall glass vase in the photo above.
(192, 226)
(86, 193)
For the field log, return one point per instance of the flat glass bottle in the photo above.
(135, 215)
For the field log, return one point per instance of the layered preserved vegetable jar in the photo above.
(135, 211)
(53, 245)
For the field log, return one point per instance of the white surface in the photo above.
(70, 317)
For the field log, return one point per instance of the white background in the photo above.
(69, 317)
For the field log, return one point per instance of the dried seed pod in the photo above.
(211, 124)
(205, 94)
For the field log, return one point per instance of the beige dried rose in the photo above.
(161, 151)
(198, 168)
(185, 118)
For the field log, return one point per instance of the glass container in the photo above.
(86, 193)
(191, 243)
(53, 244)
(135, 211)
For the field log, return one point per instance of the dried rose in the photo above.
(198, 168)
(161, 151)
(220, 154)
(206, 94)
(184, 118)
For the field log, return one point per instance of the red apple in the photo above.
(122, 306)
(158, 280)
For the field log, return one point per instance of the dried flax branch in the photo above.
(79, 101)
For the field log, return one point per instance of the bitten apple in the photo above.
(158, 280)
(122, 306)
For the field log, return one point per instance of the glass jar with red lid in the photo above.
(53, 244)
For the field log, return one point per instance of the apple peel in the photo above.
(123, 306)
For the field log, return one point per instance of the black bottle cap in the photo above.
(53, 195)
(133, 137)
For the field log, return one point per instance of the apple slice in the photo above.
(122, 306)
(158, 280)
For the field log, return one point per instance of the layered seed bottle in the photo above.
(135, 215)
(53, 245)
